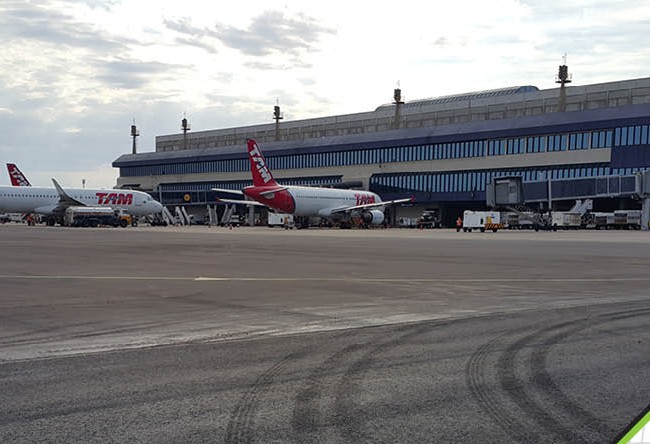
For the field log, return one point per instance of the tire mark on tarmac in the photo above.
(240, 425)
(475, 377)
(515, 387)
(348, 416)
(580, 420)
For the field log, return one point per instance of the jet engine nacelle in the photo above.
(374, 217)
(47, 210)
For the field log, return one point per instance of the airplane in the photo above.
(18, 179)
(305, 202)
(52, 202)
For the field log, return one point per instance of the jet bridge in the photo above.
(508, 193)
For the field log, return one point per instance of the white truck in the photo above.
(279, 220)
(566, 220)
(481, 220)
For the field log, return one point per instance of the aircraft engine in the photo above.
(46, 210)
(374, 217)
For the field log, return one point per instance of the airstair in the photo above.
(167, 217)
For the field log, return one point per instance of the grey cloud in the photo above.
(203, 38)
(34, 22)
(198, 43)
(272, 31)
(133, 74)
(184, 26)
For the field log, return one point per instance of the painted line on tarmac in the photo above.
(319, 279)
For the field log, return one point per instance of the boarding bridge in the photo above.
(508, 192)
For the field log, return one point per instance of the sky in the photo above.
(75, 74)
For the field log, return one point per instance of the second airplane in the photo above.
(330, 203)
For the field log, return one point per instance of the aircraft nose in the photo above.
(157, 206)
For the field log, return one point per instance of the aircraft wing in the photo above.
(242, 202)
(371, 205)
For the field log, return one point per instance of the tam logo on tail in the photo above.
(261, 173)
(18, 179)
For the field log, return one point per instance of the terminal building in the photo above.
(571, 142)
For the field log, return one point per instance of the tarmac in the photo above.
(206, 334)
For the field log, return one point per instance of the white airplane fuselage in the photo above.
(43, 200)
(314, 201)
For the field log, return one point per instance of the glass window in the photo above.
(644, 134)
(530, 145)
(551, 143)
(637, 135)
(624, 136)
(573, 144)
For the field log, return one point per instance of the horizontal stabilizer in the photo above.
(273, 191)
(242, 202)
(224, 190)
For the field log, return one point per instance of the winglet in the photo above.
(62, 194)
(261, 174)
(64, 197)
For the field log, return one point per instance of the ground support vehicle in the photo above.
(482, 220)
(627, 219)
(564, 220)
(280, 220)
(429, 219)
(90, 217)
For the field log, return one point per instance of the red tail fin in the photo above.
(261, 174)
(18, 179)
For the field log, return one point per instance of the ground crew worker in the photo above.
(459, 224)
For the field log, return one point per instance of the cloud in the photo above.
(133, 74)
(203, 38)
(26, 21)
(272, 31)
(263, 66)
